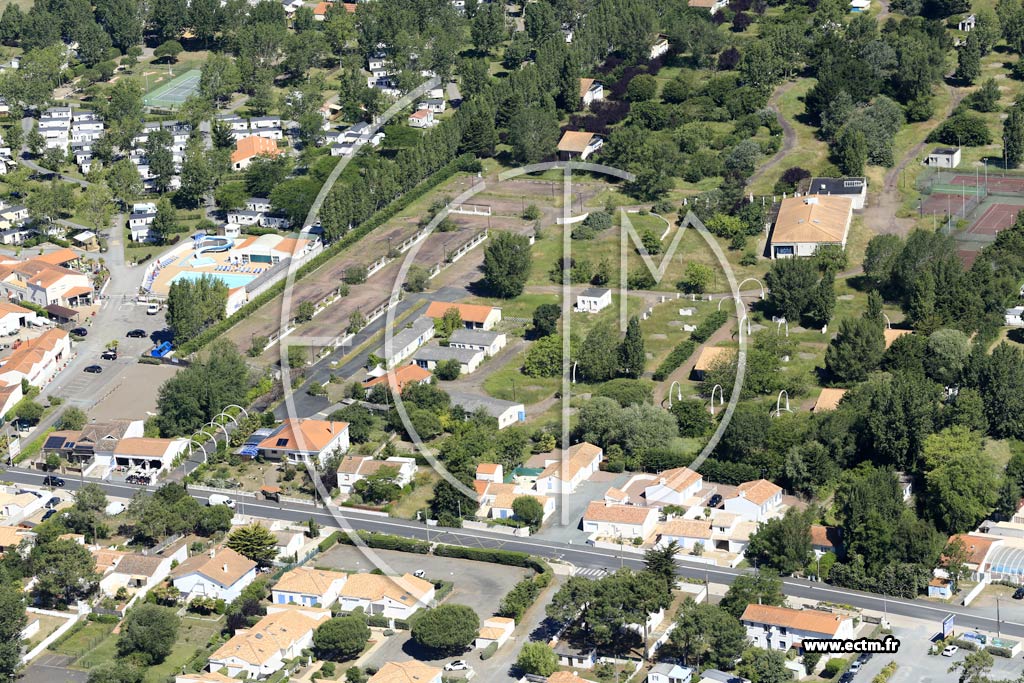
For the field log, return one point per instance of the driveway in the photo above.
(564, 524)
(52, 668)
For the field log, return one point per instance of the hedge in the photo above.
(379, 541)
(512, 558)
(489, 651)
(1000, 651)
(675, 358)
(708, 326)
(350, 238)
(442, 589)
(969, 645)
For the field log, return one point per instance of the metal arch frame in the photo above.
(192, 443)
(888, 323)
(739, 287)
(746, 319)
(679, 392)
(727, 296)
(721, 397)
(574, 364)
(778, 404)
(779, 324)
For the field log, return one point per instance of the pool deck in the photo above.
(208, 264)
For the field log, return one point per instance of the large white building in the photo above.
(781, 628)
(262, 650)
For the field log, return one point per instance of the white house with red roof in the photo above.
(354, 468)
(584, 459)
(756, 501)
(781, 628)
(422, 118)
(489, 471)
(37, 360)
(14, 317)
(602, 520)
(676, 486)
(301, 439)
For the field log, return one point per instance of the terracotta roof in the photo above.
(710, 355)
(12, 536)
(251, 146)
(825, 536)
(680, 478)
(350, 7)
(976, 547)
(575, 141)
(32, 352)
(205, 677)
(616, 494)
(758, 492)
(565, 677)
(403, 375)
(703, 4)
(504, 501)
(471, 313)
(420, 114)
(687, 528)
(225, 567)
(308, 581)
(272, 634)
(407, 589)
(405, 672)
(57, 258)
(828, 399)
(808, 620)
(76, 291)
(585, 84)
(487, 468)
(598, 511)
(321, 8)
(364, 465)
(581, 455)
(144, 446)
(892, 335)
(7, 307)
(822, 219)
(491, 632)
(106, 559)
(304, 435)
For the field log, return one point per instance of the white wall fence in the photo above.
(521, 532)
(72, 619)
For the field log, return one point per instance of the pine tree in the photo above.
(255, 542)
(968, 61)
(874, 312)
(1013, 137)
(164, 223)
(852, 151)
(631, 352)
(221, 135)
(921, 306)
(823, 301)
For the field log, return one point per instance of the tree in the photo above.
(533, 133)
(763, 588)
(119, 671)
(696, 278)
(641, 88)
(219, 77)
(537, 658)
(124, 180)
(265, 173)
(13, 620)
(851, 151)
(379, 487)
(254, 541)
(64, 571)
(968, 61)
(962, 486)
(169, 51)
(544, 357)
(193, 305)
(631, 353)
(165, 222)
(35, 140)
(954, 561)
(782, 544)
(341, 638)
(598, 355)
(507, 264)
(160, 159)
(28, 411)
(73, 418)
(764, 666)
(148, 633)
(946, 356)
(1013, 136)
(707, 635)
(791, 284)
(487, 29)
(90, 497)
(974, 667)
(999, 383)
(661, 562)
(545, 319)
(97, 205)
(856, 350)
(417, 278)
(529, 510)
(446, 629)
(197, 176)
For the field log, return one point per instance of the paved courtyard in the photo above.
(572, 506)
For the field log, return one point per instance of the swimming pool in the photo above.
(202, 262)
(232, 280)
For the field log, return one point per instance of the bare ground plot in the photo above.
(133, 395)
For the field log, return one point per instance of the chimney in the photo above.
(224, 567)
(213, 553)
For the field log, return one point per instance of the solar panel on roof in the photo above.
(54, 442)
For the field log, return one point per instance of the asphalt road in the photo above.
(580, 556)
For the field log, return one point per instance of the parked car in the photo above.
(457, 665)
(715, 500)
(80, 332)
(48, 514)
(419, 573)
(52, 480)
(109, 354)
(855, 667)
(137, 334)
(1019, 593)
(950, 650)
(114, 508)
(94, 369)
(152, 309)
(218, 499)
(53, 502)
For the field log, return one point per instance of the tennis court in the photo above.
(940, 203)
(174, 92)
(995, 218)
(992, 182)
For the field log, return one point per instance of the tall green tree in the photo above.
(856, 350)
(254, 541)
(148, 633)
(447, 629)
(708, 635)
(1013, 136)
(13, 620)
(632, 356)
(341, 638)
(782, 544)
(763, 588)
(507, 264)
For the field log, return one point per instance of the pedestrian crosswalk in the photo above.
(589, 572)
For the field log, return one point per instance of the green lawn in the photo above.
(86, 638)
(508, 383)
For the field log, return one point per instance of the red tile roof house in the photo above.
(627, 522)
(781, 628)
(756, 501)
(558, 477)
(674, 487)
(298, 440)
(219, 573)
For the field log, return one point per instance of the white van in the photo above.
(218, 499)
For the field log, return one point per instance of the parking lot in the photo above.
(479, 585)
(916, 665)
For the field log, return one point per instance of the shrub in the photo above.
(708, 326)
(969, 645)
(999, 651)
(675, 358)
(834, 667)
(489, 651)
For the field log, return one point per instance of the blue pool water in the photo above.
(232, 280)
(202, 261)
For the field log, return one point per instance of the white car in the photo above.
(457, 665)
(950, 650)
(419, 573)
(218, 499)
(153, 309)
(114, 508)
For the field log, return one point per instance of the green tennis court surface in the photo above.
(174, 92)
